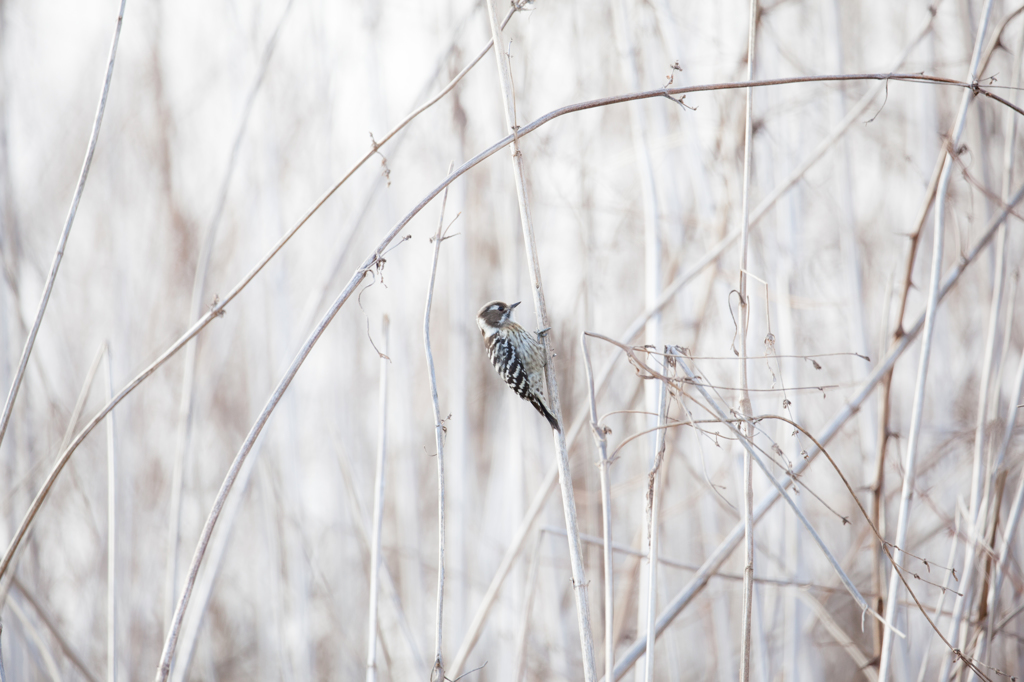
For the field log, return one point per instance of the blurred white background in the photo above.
(625, 200)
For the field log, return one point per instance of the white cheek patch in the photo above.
(485, 328)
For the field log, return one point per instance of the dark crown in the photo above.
(496, 313)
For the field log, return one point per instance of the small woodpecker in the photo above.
(517, 354)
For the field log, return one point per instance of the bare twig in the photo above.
(744, 321)
(185, 410)
(1013, 518)
(726, 547)
(378, 508)
(437, 673)
(522, 637)
(561, 452)
(652, 523)
(756, 458)
(604, 466)
(990, 601)
(62, 242)
(218, 308)
(32, 632)
(926, 346)
(193, 625)
(111, 530)
(47, 620)
(668, 294)
(838, 634)
(629, 55)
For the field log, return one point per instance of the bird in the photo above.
(518, 356)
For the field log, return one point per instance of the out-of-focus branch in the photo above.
(634, 328)
(604, 466)
(437, 672)
(112, 591)
(653, 495)
(69, 221)
(219, 307)
(743, 313)
(185, 410)
(909, 466)
(64, 645)
(728, 545)
(378, 507)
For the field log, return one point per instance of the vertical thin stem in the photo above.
(745, 407)
(962, 604)
(652, 523)
(926, 347)
(206, 582)
(9, 578)
(601, 438)
(983, 474)
(781, 488)
(3, 675)
(437, 673)
(941, 600)
(48, 621)
(1013, 518)
(652, 246)
(33, 635)
(725, 548)
(111, 530)
(62, 242)
(185, 410)
(524, 627)
(668, 294)
(564, 473)
(1008, 159)
(378, 508)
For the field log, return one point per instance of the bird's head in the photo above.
(494, 316)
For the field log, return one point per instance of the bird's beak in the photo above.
(514, 305)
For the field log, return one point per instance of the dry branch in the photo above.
(62, 242)
(437, 673)
(561, 451)
(726, 547)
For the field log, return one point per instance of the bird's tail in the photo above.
(543, 409)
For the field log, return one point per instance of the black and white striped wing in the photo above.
(512, 367)
(509, 363)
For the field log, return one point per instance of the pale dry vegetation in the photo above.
(225, 124)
